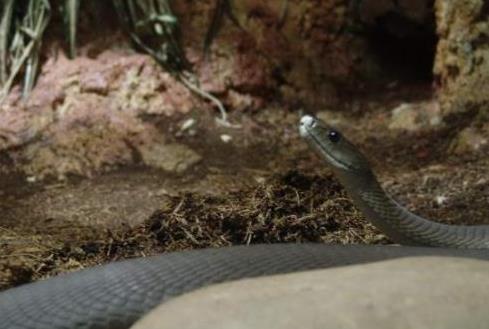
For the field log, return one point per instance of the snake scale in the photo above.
(115, 295)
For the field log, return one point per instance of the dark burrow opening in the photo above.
(405, 44)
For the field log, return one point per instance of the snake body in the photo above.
(115, 295)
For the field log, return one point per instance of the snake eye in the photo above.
(334, 136)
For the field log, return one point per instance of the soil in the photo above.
(260, 184)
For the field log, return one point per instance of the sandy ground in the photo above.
(260, 184)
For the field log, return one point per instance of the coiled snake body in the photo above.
(114, 296)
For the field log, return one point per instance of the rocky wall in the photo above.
(462, 59)
(90, 114)
(295, 51)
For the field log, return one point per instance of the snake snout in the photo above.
(308, 121)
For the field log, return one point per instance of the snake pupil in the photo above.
(334, 136)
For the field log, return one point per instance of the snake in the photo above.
(354, 172)
(117, 294)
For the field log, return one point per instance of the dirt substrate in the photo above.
(257, 184)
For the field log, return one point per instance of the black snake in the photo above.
(115, 295)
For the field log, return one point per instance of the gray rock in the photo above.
(175, 158)
(415, 116)
(469, 140)
(410, 293)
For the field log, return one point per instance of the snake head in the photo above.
(332, 146)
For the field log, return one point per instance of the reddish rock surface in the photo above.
(85, 115)
(91, 114)
(298, 54)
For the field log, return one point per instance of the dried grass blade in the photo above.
(5, 24)
(72, 8)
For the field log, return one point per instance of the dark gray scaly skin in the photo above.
(402, 226)
(114, 296)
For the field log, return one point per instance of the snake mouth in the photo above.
(307, 131)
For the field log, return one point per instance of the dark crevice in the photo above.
(405, 48)
(484, 13)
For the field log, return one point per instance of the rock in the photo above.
(462, 58)
(468, 140)
(87, 115)
(295, 46)
(188, 124)
(225, 138)
(441, 200)
(415, 116)
(176, 158)
(409, 293)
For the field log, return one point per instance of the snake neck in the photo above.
(401, 225)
